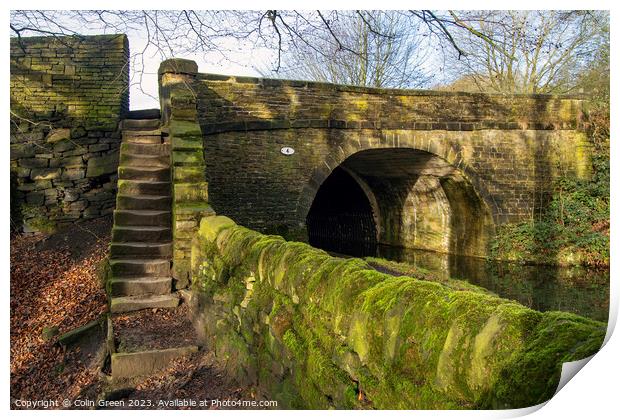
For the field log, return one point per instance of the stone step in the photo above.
(137, 286)
(145, 149)
(128, 365)
(141, 133)
(141, 234)
(146, 218)
(141, 114)
(140, 124)
(136, 303)
(131, 187)
(141, 249)
(143, 202)
(151, 161)
(143, 173)
(142, 140)
(140, 267)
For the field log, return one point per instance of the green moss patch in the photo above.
(325, 332)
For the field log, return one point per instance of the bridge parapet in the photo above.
(311, 330)
(234, 103)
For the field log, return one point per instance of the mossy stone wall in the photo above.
(67, 96)
(314, 331)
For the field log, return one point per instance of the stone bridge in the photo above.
(421, 169)
(412, 168)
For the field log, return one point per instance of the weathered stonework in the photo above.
(189, 188)
(447, 167)
(68, 95)
(505, 151)
(313, 331)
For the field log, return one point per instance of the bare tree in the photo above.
(387, 50)
(527, 51)
(170, 33)
(595, 80)
(536, 51)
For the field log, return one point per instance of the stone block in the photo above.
(186, 174)
(45, 173)
(187, 142)
(36, 198)
(98, 147)
(128, 365)
(178, 66)
(66, 162)
(91, 211)
(64, 145)
(43, 184)
(102, 165)
(78, 151)
(19, 151)
(186, 225)
(58, 134)
(184, 129)
(77, 206)
(78, 132)
(101, 196)
(188, 157)
(181, 276)
(191, 192)
(72, 161)
(71, 195)
(73, 173)
(187, 114)
(30, 186)
(33, 163)
(212, 225)
(23, 172)
(184, 235)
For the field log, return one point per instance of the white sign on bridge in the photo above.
(286, 150)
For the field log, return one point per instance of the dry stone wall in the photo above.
(314, 331)
(68, 95)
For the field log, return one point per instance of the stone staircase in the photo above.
(144, 340)
(141, 249)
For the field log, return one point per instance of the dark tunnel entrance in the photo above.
(341, 218)
(398, 197)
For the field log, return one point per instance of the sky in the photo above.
(143, 84)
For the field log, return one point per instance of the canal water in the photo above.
(580, 290)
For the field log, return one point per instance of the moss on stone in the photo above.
(325, 332)
(35, 218)
(210, 226)
(178, 128)
(405, 269)
(531, 375)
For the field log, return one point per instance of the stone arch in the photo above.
(464, 191)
